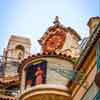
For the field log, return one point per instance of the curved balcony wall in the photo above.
(56, 73)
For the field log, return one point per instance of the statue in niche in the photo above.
(39, 76)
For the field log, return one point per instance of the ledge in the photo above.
(47, 92)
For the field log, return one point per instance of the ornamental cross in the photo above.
(56, 21)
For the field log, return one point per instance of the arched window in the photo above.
(19, 51)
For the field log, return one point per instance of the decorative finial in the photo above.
(56, 21)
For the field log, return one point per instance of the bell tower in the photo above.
(17, 49)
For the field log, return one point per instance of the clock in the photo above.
(54, 42)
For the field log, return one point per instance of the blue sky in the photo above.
(31, 18)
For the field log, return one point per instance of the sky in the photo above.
(31, 18)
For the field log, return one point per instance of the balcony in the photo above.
(45, 78)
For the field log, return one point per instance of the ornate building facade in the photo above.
(59, 72)
(49, 72)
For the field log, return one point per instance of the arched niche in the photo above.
(19, 51)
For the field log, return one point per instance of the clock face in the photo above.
(54, 42)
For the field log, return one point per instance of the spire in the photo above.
(56, 21)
